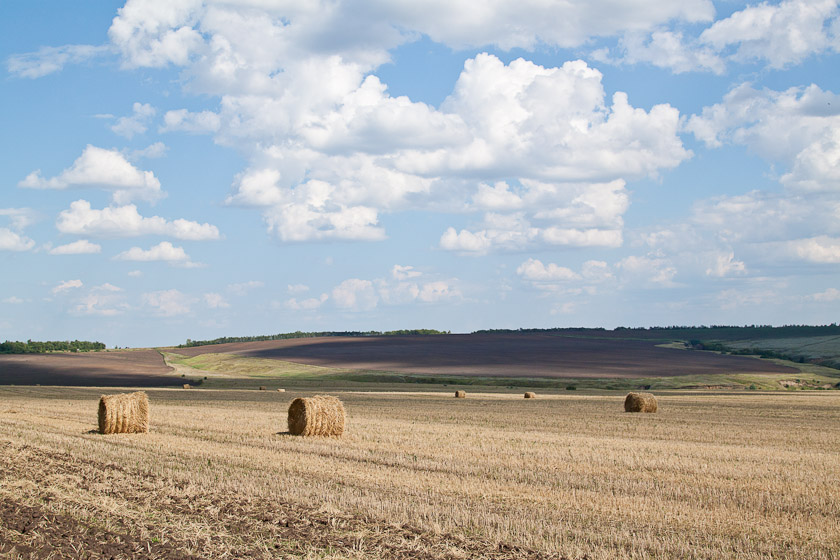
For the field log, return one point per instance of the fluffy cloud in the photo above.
(182, 120)
(308, 304)
(11, 241)
(725, 264)
(355, 294)
(20, 218)
(156, 150)
(781, 34)
(535, 270)
(215, 301)
(105, 169)
(126, 221)
(333, 161)
(822, 249)
(158, 33)
(136, 123)
(163, 251)
(776, 34)
(80, 247)
(168, 303)
(647, 271)
(66, 285)
(809, 116)
(242, 288)
(552, 278)
(831, 294)
(664, 49)
(106, 300)
(404, 272)
(52, 59)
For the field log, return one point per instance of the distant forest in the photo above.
(299, 334)
(38, 347)
(696, 335)
(687, 333)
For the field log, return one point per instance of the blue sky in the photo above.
(194, 169)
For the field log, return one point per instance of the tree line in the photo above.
(41, 347)
(299, 334)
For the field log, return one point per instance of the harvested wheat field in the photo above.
(423, 475)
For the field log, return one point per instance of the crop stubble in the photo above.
(710, 476)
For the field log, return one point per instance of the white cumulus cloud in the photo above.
(168, 303)
(104, 169)
(163, 251)
(12, 241)
(126, 221)
(66, 285)
(80, 247)
(136, 123)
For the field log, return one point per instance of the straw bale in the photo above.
(640, 402)
(321, 415)
(187, 386)
(262, 387)
(126, 413)
(530, 395)
(460, 394)
(281, 390)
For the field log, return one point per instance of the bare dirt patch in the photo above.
(497, 356)
(135, 368)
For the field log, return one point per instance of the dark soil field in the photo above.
(497, 355)
(134, 368)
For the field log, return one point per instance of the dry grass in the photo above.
(712, 475)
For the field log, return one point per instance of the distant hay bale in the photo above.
(530, 395)
(640, 402)
(321, 415)
(187, 386)
(262, 387)
(281, 390)
(460, 394)
(127, 413)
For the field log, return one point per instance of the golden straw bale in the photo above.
(126, 413)
(187, 386)
(262, 387)
(281, 390)
(640, 402)
(530, 395)
(460, 394)
(321, 415)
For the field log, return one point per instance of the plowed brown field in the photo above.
(131, 368)
(496, 356)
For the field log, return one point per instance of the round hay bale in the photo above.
(127, 413)
(640, 402)
(460, 394)
(321, 415)
(262, 387)
(281, 390)
(530, 395)
(187, 386)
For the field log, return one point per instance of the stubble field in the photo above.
(423, 475)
